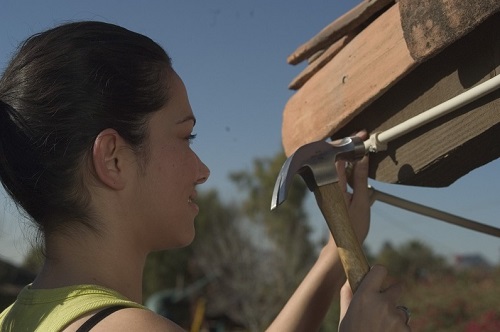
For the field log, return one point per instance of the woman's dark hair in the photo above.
(62, 88)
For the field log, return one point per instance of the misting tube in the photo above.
(378, 141)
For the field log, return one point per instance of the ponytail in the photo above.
(18, 165)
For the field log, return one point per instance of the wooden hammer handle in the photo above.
(330, 199)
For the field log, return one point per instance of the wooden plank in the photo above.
(447, 149)
(366, 67)
(338, 28)
(318, 63)
(431, 25)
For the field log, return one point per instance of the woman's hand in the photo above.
(371, 309)
(358, 202)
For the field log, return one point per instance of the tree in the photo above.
(166, 270)
(286, 230)
(33, 261)
(412, 259)
(224, 251)
(258, 185)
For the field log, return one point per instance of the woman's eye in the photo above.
(191, 138)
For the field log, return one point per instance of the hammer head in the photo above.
(315, 163)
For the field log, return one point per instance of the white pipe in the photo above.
(378, 141)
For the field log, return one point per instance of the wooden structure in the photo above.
(382, 63)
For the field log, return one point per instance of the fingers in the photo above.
(357, 173)
(341, 172)
(359, 181)
(373, 281)
(391, 297)
(394, 292)
(355, 176)
(358, 202)
(362, 134)
(345, 299)
(373, 309)
(360, 174)
(404, 313)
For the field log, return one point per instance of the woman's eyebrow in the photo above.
(188, 118)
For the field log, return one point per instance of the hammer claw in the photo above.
(315, 163)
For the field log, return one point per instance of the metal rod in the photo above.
(433, 213)
(378, 141)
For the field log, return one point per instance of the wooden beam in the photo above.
(446, 149)
(318, 63)
(338, 28)
(431, 25)
(365, 68)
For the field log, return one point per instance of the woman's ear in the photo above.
(109, 158)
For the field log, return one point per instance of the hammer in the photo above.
(315, 163)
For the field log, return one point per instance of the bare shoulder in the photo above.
(132, 319)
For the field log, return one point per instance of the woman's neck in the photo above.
(93, 259)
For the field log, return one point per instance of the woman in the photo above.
(95, 141)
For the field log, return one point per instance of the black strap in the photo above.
(92, 321)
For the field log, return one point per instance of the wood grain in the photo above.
(338, 28)
(365, 68)
(331, 202)
(446, 149)
(432, 25)
(319, 63)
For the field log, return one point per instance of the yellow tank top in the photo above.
(54, 309)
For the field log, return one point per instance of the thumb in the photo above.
(373, 281)
(345, 299)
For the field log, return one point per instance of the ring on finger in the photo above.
(406, 311)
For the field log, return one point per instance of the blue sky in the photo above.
(232, 57)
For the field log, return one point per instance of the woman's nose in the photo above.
(204, 172)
